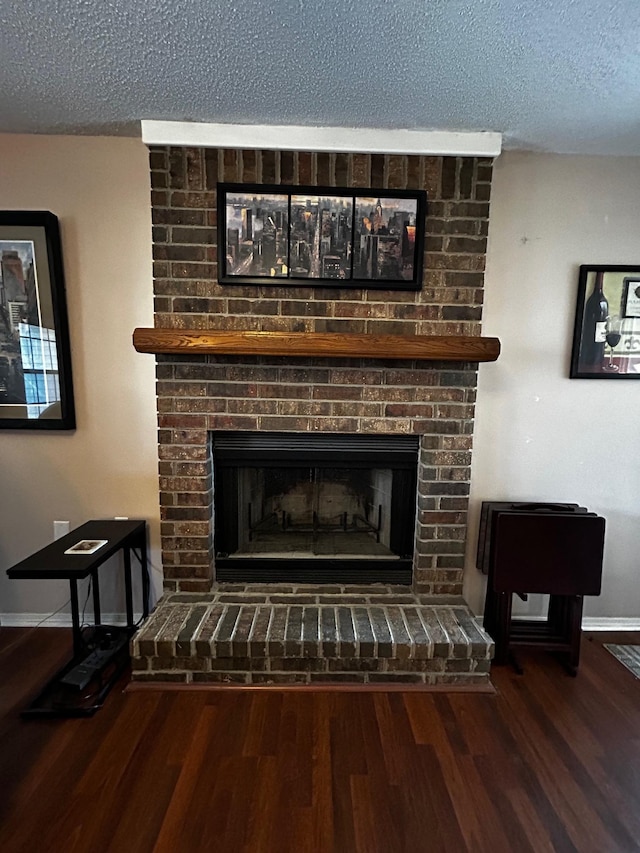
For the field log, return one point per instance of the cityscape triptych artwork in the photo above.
(320, 236)
(35, 362)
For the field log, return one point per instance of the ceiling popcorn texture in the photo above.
(551, 75)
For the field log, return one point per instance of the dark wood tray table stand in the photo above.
(559, 554)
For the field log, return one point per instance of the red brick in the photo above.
(194, 168)
(432, 167)
(337, 392)
(360, 170)
(360, 309)
(249, 166)
(195, 586)
(377, 170)
(324, 170)
(396, 171)
(305, 168)
(268, 159)
(230, 159)
(200, 200)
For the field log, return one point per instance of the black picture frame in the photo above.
(607, 312)
(307, 236)
(36, 388)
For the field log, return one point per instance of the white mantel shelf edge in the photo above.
(327, 139)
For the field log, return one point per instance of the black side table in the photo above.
(52, 563)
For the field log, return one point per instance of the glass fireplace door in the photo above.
(314, 508)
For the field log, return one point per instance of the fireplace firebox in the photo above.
(316, 508)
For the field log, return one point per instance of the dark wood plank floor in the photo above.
(549, 763)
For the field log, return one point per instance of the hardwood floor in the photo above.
(549, 763)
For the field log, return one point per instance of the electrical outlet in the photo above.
(60, 528)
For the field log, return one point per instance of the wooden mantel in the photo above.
(317, 345)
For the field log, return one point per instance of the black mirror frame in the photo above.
(42, 226)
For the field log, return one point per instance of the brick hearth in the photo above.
(278, 634)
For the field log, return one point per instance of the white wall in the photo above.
(540, 435)
(99, 190)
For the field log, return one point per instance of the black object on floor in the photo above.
(80, 688)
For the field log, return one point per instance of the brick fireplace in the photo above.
(199, 395)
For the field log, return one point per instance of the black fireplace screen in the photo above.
(300, 507)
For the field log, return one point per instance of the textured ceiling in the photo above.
(552, 75)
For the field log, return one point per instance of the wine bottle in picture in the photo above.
(596, 309)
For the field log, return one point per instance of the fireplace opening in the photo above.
(314, 508)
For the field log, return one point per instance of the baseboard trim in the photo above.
(591, 623)
(56, 620)
(611, 623)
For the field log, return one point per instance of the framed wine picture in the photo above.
(606, 336)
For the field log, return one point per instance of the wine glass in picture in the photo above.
(613, 331)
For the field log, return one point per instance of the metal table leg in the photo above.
(144, 567)
(127, 586)
(75, 617)
(97, 616)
